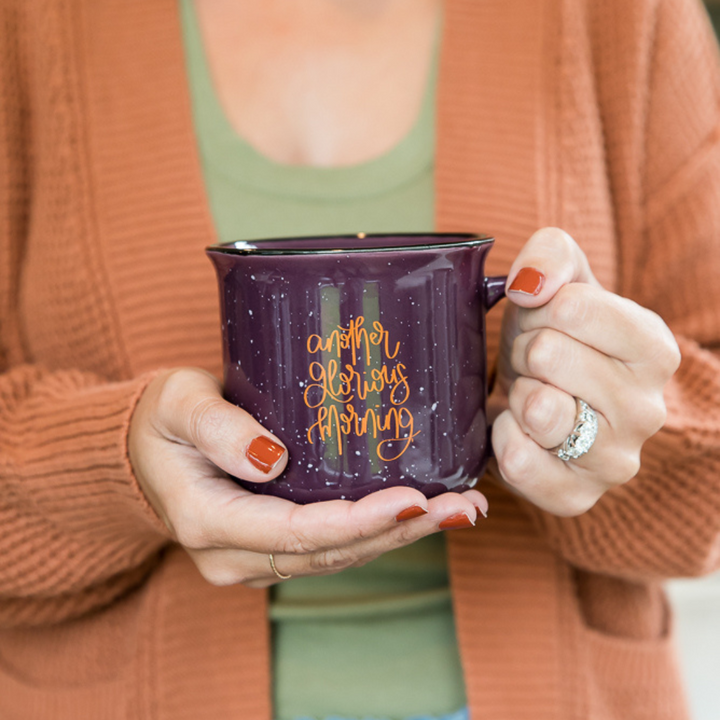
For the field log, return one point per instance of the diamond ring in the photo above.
(581, 439)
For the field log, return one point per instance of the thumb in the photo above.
(548, 260)
(193, 412)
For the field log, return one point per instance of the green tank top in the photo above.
(375, 641)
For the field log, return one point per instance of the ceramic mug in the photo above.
(364, 354)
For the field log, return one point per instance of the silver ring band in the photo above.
(581, 439)
(275, 570)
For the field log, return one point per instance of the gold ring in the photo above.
(275, 570)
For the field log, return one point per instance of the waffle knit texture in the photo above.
(598, 117)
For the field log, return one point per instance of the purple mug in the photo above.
(364, 354)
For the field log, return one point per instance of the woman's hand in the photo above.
(184, 441)
(564, 337)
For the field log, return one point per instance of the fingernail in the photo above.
(457, 521)
(481, 511)
(409, 513)
(528, 281)
(263, 453)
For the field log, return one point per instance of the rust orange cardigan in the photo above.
(599, 117)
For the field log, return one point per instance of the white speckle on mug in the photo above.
(434, 406)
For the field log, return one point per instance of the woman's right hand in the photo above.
(185, 440)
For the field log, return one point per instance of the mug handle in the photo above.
(494, 288)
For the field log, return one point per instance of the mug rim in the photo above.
(247, 247)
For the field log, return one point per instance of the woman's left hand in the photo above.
(564, 337)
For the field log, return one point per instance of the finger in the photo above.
(544, 413)
(233, 566)
(615, 326)
(632, 411)
(578, 370)
(448, 511)
(265, 523)
(539, 476)
(549, 260)
(193, 411)
(223, 567)
(564, 488)
(479, 502)
(316, 529)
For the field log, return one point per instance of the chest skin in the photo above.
(324, 82)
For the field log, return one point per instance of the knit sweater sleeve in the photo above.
(666, 521)
(75, 528)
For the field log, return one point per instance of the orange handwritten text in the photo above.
(345, 385)
(354, 338)
(332, 422)
(335, 389)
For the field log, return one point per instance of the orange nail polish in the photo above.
(263, 453)
(409, 513)
(456, 522)
(528, 281)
